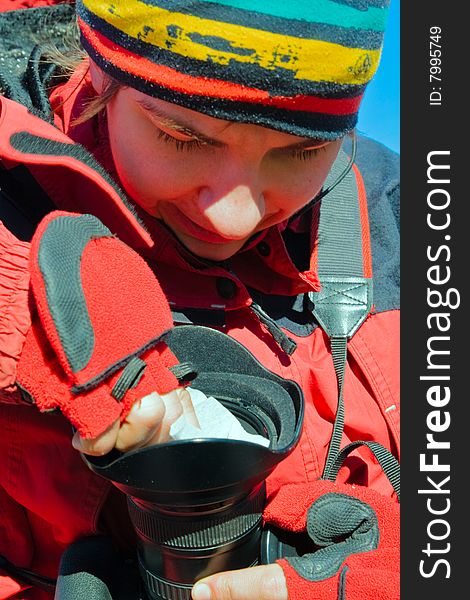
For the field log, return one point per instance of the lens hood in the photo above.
(200, 472)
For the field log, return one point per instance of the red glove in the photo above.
(356, 531)
(102, 318)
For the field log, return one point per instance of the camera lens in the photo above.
(178, 547)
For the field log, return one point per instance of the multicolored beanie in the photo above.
(298, 66)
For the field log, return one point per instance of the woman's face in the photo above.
(214, 183)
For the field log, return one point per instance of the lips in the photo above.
(189, 227)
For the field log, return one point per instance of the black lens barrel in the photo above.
(178, 547)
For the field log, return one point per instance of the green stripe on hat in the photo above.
(313, 11)
(353, 37)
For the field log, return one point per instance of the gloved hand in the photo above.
(98, 342)
(356, 531)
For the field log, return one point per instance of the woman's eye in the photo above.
(189, 144)
(306, 153)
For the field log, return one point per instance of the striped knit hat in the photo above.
(298, 66)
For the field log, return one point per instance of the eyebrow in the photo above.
(184, 128)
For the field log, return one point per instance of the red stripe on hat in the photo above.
(134, 64)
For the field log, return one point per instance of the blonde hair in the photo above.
(98, 103)
(69, 61)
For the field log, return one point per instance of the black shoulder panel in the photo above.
(23, 203)
(24, 74)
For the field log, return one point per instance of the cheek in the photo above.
(150, 172)
(294, 183)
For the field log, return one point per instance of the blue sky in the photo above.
(379, 116)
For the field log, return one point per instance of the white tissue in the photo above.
(215, 420)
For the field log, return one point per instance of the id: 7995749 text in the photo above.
(435, 68)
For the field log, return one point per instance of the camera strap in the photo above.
(344, 265)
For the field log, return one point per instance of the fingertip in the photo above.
(173, 407)
(150, 406)
(77, 442)
(173, 396)
(188, 407)
(183, 394)
(201, 591)
(98, 446)
(264, 582)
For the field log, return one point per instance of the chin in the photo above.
(215, 252)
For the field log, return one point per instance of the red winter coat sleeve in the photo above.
(15, 316)
(16, 4)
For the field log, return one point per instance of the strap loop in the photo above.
(129, 378)
(385, 458)
(287, 344)
(338, 351)
(184, 372)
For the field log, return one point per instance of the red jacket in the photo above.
(48, 497)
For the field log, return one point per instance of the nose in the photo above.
(233, 207)
(236, 213)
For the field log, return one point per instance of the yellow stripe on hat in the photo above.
(208, 40)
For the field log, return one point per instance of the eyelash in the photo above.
(190, 145)
(305, 154)
(180, 145)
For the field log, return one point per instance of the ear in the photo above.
(98, 77)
